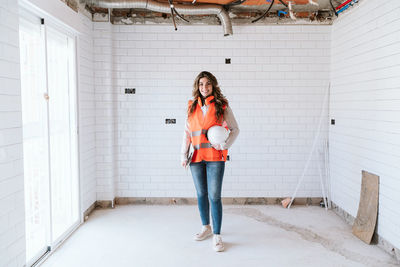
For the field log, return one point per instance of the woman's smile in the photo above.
(205, 87)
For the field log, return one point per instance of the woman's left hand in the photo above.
(217, 147)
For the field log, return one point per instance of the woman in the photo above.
(209, 107)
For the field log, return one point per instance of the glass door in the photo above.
(62, 131)
(48, 93)
(35, 140)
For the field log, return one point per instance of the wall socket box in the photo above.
(170, 121)
(130, 90)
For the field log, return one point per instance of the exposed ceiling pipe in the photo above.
(207, 9)
(291, 14)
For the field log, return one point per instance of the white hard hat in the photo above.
(217, 135)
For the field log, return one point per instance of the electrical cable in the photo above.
(346, 6)
(173, 13)
(283, 3)
(265, 13)
(179, 15)
(333, 8)
(343, 4)
(313, 147)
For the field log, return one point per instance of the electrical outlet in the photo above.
(130, 90)
(228, 157)
(332, 121)
(227, 61)
(170, 121)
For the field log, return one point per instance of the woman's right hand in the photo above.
(183, 163)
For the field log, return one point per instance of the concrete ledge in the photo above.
(376, 239)
(225, 200)
(349, 219)
(155, 201)
(88, 211)
(105, 204)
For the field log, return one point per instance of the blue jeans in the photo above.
(207, 177)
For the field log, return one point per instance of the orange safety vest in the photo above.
(198, 126)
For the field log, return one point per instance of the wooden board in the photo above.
(365, 222)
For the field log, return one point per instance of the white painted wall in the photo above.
(275, 85)
(87, 114)
(12, 220)
(106, 158)
(365, 101)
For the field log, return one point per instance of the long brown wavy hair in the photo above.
(220, 99)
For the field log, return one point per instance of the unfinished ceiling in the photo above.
(224, 12)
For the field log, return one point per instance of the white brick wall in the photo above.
(106, 158)
(87, 115)
(365, 101)
(12, 220)
(275, 85)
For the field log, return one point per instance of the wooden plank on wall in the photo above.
(365, 222)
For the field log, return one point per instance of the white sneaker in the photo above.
(217, 243)
(205, 232)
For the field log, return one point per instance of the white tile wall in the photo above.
(275, 85)
(365, 101)
(12, 220)
(106, 105)
(87, 115)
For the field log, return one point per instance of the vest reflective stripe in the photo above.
(197, 133)
(202, 145)
(198, 127)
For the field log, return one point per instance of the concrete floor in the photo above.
(162, 236)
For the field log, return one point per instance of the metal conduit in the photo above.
(207, 9)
